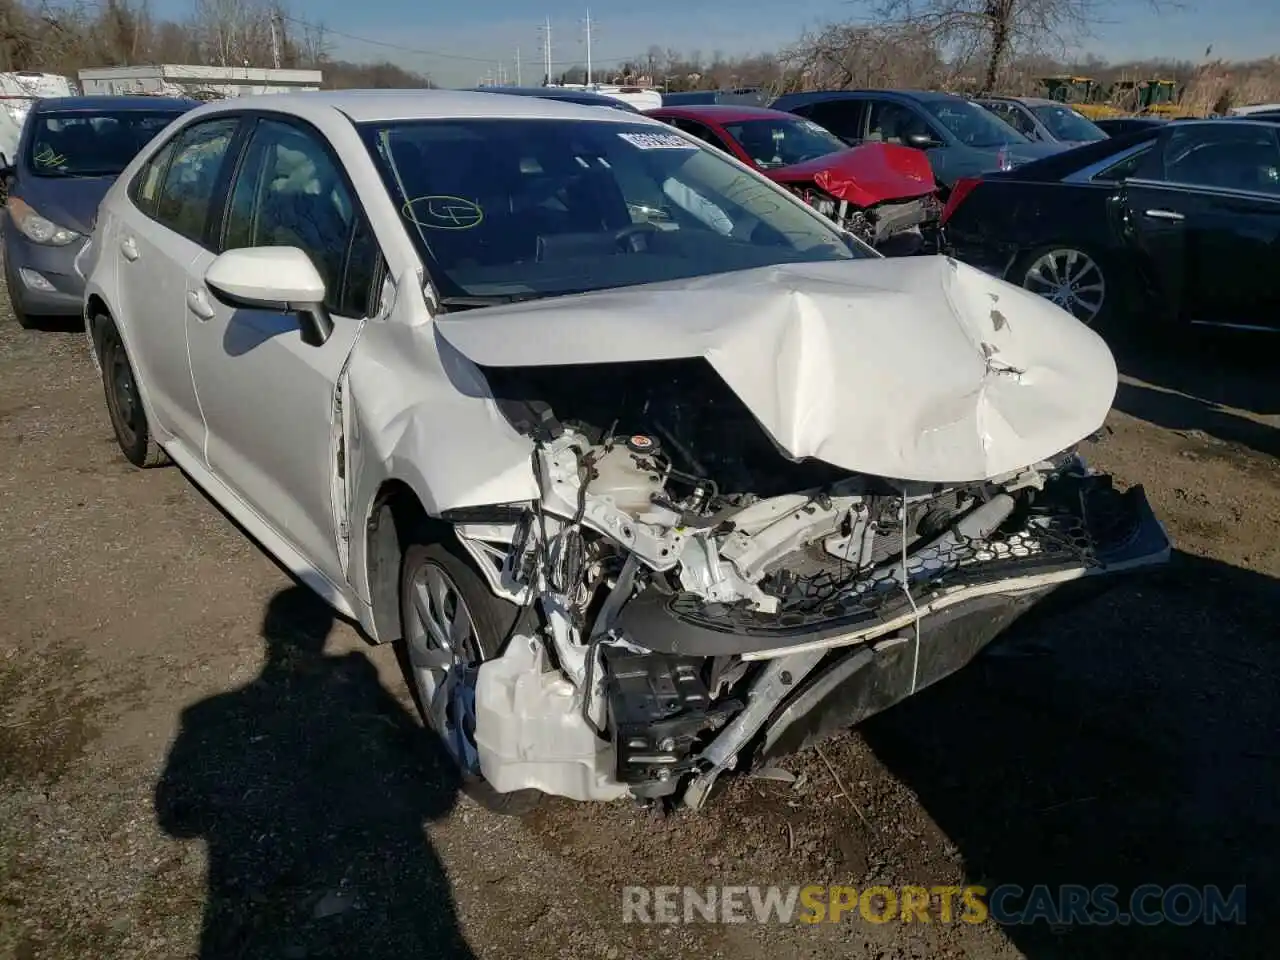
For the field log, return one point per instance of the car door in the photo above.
(155, 237)
(890, 121)
(270, 400)
(846, 117)
(1204, 209)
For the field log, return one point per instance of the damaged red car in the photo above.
(883, 193)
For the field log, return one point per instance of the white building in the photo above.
(198, 82)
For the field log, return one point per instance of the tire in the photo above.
(433, 564)
(124, 404)
(1078, 272)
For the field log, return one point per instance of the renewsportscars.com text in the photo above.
(1008, 904)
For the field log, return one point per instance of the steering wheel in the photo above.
(633, 238)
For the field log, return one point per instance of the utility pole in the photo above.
(518, 83)
(546, 50)
(588, 27)
(275, 39)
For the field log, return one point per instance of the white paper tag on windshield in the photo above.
(658, 141)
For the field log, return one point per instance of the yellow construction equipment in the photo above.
(1159, 98)
(1083, 94)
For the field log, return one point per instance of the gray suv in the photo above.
(961, 138)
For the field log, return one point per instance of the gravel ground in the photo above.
(197, 760)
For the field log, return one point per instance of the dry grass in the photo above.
(1218, 85)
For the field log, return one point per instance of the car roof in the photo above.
(549, 93)
(1034, 101)
(921, 96)
(721, 112)
(104, 103)
(363, 106)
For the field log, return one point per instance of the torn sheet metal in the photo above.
(919, 368)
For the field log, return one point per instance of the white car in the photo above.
(657, 473)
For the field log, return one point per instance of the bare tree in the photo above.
(995, 31)
(841, 56)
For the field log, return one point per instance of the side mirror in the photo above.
(279, 279)
(921, 141)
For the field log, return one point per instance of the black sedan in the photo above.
(1179, 222)
(1120, 126)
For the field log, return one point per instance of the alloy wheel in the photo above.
(444, 651)
(1071, 279)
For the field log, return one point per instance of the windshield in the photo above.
(83, 144)
(517, 208)
(971, 124)
(1065, 124)
(782, 142)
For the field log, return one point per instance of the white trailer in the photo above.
(18, 91)
(197, 82)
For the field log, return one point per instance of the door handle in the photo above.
(130, 249)
(1163, 215)
(199, 304)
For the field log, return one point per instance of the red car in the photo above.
(883, 193)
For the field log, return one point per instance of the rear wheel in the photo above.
(451, 623)
(1071, 278)
(124, 403)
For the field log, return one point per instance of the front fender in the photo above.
(423, 415)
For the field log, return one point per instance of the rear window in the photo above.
(91, 144)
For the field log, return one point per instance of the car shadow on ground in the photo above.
(1237, 372)
(1130, 741)
(311, 788)
(59, 324)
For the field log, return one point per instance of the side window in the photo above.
(894, 123)
(1230, 156)
(290, 192)
(841, 117)
(702, 132)
(1123, 169)
(1019, 120)
(146, 185)
(187, 193)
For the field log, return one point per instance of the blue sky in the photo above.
(490, 30)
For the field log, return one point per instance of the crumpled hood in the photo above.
(915, 368)
(866, 175)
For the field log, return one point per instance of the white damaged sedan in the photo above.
(656, 472)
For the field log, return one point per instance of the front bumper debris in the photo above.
(1081, 527)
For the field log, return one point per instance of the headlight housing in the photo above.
(36, 228)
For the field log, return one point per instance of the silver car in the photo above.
(1046, 121)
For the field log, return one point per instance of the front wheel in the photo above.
(1069, 277)
(451, 623)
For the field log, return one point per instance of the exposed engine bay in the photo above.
(696, 591)
(885, 226)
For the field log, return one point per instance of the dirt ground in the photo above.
(189, 742)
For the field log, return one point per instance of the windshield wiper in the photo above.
(489, 300)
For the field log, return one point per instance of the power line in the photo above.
(430, 53)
